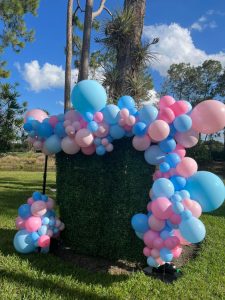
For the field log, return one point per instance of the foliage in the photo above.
(14, 32)
(11, 115)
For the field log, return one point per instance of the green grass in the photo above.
(40, 276)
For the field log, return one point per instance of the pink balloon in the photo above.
(166, 101)
(131, 120)
(180, 151)
(84, 138)
(20, 223)
(149, 237)
(33, 224)
(30, 201)
(172, 242)
(69, 145)
(141, 143)
(179, 108)
(127, 127)
(105, 142)
(182, 240)
(62, 226)
(172, 172)
(157, 174)
(124, 113)
(149, 206)
(88, 150)
(37, 145)
(103, 130)
(44, 241)
(147, 251)
(166, 114)
(37, 114)
(159, 130)
(109, 147)
(187, 139)
(176, 251)
(98, 117)
(70, 130)
(53, 120)
(193, 206)
(49, 233)
(50, 203)
(67, 123)
(175, 219)
(122, 122)
(162, 208)
(72, 116)
(57, 223)
(38, 208)
(187, 167)
(158, 243)
(76, 125)
(208, 116)
(160, 261)
(83, 123)
(155, 223)
(155, 253)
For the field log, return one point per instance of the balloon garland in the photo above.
(180, 192)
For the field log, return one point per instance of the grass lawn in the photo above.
(40, 276)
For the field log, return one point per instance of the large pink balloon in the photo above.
(149, 237)
(187, 139)
(187, 167)
(84, 138)
(37, 114)
(208, 116)
(38, 208)
(33, 224)
(69, 145)
(162, 208)
(141, 143)
(155, 223)
(179, 107)
(159, 130)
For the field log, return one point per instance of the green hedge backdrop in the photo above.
(97, 198)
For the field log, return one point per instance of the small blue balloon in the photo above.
(61, 117)
(45, 221)
(44, 130)
(34, 236)
(148, 114)
(88, 116)
(172, 130)
(111, 114)
(163, 187)
(116, 132)
(133, 111)
(192, 229)
(152, 262)
(139, 129)
(55, 230)
(165, 234)
(23, 242)
(42, 230)
(184, 194)
(179, 182)
(92, 126)
(24, 211)
(44, 198)
(171, 225)
(164, 167)
(154, 155)
(97, 141)
(46, 120)
(176, 198)
(100, 150)
(52, 221)
(53, 144)
(172, 159)
(178, 207)
(166, 255)
(168, 145)
(36, 196)
(139, 223)
(28, 127)
(189, 106)
(182, 123)
(59, 130)
(126, 102)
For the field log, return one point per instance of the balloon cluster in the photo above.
(37, 224)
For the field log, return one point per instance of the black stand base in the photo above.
(167, 273)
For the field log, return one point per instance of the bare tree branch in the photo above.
(99, 10)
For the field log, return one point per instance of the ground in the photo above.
(39, 276)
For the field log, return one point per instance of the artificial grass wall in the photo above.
(97, 198)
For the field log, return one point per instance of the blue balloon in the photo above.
(164, 167)
(171, 225)
(46, 120)
(60, 130)
(61, 117)
(23, 242)
(88, 116)
(179, 182)
(133, 111)
(92, 126)
(165, 234)
(111, 114)
(178, 207)
(172, 159)
(35, 236)
(35, 124)
(176, 197)
(152, 262)
(139, 235)
(172, 130)
(53, 144)
(45, 221)
(88, 96)
(139, 223)
(148, 114)
(116, 132)
(32, 133)
(139, 129)
(43, 230)
(184, 194)
(100, 150)
(192, 229)
(182, 123)
(207, 189)
(28, 127)
(24, 211)
(44, 198)
(163, 187)
(154, 155)
(52, 221)
(97, 141)
(44, 130)
(168, 145)
(166, 255)
(36, 196)
(126, 102)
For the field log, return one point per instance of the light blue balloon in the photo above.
(97, 141)
(148, 114)
(184, 194)
(166, 255)
(164, 167)
(182, 123)
(165, 234)
(35, 236)
(23, 242)
(139, 129)
(178, 207)
(100, 150)
(172, 159)
(154, 155)
(168, 145)
(116, 132)
(92, 126)
(176, 197)
(42, 230)
(192, 229)
(152, 262)
(126, 102)
(53, 144)
(207, 189)
(139, 223)
(111, 114)
(45, 221)
(163, 187)
(44, 130)
(139, 235)
(88, 96)
(179, 182)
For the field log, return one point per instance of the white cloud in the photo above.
(176, 46)
(60, 102)
(202, 23)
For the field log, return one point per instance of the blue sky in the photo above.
(189, 31)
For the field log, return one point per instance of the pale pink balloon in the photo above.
(20, 223)
(193, 206)
(38, 208)
(147, 251)
(69, 145)
(179, 108)
(187, 167)
(109, 147)
(76, 125)
(124, 113)
(172, 242)
(67, 123)
(155, 253)
(70, 130)
(98, 117)
(180, 150)
(72, 115)
(160, 261)
(155, 223)
(127, 127)
(159, 130)
(141, 143)
(84, 138)
(122, 122)
(166, 114)
(44, 241)
(62, 226)
(182, 240)
(49, 233)
(88, 150)
(162, 208)
(208, 116)
(158, 243)
(50, 203)
(53, 120)
(176, 251)
(149, 206)
(103, 130)
(30, 201)
(83, 123)
(187, 139)
(157, 174)
(166, 101)
(37, 114)
(149, 237)
(175, 219)
(37, 145)
(131, 120)
(105, 142)
(33, 224)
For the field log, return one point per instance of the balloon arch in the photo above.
(180, 192)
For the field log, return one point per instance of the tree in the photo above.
(14, 32)
(11, 116)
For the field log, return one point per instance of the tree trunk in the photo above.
(84, 63)
(69, 37)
